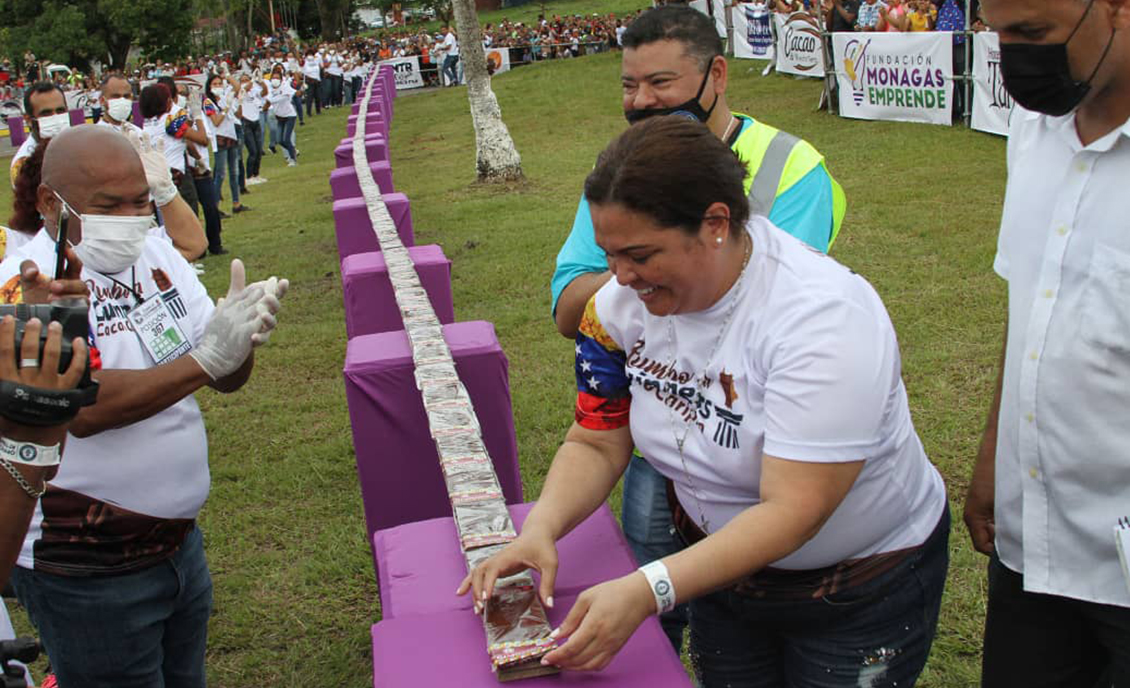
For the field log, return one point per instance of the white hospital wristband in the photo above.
(29, 454)
(660, 583)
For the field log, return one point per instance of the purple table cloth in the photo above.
(397, 463)
(448, 650)
(16, 133)
(344, 184)
(370, 304)
(373, 136)
(376, 150)
(420, 564)
(375, 122)
(355, 230)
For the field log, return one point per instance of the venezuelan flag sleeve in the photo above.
(603, 397)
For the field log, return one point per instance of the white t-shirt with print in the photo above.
(157, 467)
(808, 370)
(174, 147)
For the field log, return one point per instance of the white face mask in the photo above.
(275, 83)
(51, 125)
(119, 109)
(110, 243)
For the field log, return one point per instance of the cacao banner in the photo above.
(799, 48)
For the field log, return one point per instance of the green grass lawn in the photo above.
(295, 593)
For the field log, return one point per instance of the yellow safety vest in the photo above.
(777, 160)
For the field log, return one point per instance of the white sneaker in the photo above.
(291, 163)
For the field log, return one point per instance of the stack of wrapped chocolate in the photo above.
(517, 629)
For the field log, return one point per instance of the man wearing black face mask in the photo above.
(673, 66)
(1049, 490)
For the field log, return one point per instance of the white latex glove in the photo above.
(227, 342)
(195, 107)
(157, 171)
(273, 291)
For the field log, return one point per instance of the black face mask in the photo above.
(1038, 77)
(690, 109)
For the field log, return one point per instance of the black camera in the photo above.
(72, 318)
(25, 650)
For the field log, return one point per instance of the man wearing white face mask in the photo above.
(47, 115)
(117, 102)
(113, 564)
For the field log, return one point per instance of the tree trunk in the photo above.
(496, 158)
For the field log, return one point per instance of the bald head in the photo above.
(96, 171)
(90, 155)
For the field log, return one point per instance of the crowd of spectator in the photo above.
(886, 15)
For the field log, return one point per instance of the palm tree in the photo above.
(496, 158)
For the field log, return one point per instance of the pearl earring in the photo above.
(718, 240)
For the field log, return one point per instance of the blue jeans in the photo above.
(253, 138)
(227, 160)
(646, 519)
(146, 629)
(239, 147)
(264, 122)
(877, 633)
(273, 128)
(449, 68)
(297, 102)
(286, 136)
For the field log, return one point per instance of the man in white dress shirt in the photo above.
(1052, 477)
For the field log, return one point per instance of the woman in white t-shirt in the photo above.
(762, 379)
(280, 95)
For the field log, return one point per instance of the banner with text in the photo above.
(799, 48)
(720, 17)
(406, 70)
(500, 58)
(753, 33)
(992, 105)
(906, 77)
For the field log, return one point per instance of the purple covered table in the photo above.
(344, 184)
(16, 133)
(375, 122)
(376, 149)
(448, 649)
(369, 138)
(355, 230)
(420, 564)
(397, 463)
(370, 304)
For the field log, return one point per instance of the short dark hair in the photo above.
(154, 100)
(670, 169)
(40, 87)
(676, 23)
(113, 75)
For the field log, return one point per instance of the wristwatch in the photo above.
(29, 453)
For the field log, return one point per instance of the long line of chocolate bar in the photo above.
(514, 621)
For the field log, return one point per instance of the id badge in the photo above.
(159, 332)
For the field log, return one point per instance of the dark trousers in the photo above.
(297, 102)
(242, 169)
(286, 132)
(138, 630)
(877, 633)
(313, 95)
(1045, 641)
(336, 82)
(253, 139)
(186, 189)
(206, 192)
